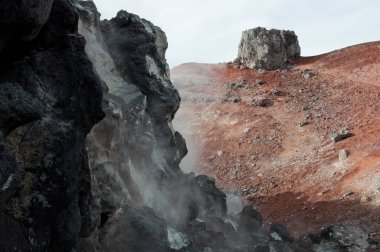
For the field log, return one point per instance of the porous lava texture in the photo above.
(267, 49)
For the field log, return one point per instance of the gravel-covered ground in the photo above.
(266, 136)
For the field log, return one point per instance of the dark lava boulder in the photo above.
(249, 220)
(211, 199)
(135, 228)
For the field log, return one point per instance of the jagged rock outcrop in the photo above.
(50, 98)
(134, 152)
(141, 61)
(267, 49)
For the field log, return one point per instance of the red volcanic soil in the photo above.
(249, 136)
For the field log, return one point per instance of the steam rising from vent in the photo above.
(191, 161)
(148, 171)
(104, 64)
(147, 202)
(177, 240)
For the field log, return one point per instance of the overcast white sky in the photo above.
(209, 31)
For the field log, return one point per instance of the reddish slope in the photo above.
(293, 172)
(359, 63)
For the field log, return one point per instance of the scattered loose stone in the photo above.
(260, 82)
(323, 192)
(307, 74)
(264, 103)
(277, 92)
(249, 191)
(304, 122)
(364, 199)
(220, 153)
(237, 85)
(247, 130)
(343, 154)
(262, 71)
(349, 193)
(343, 134)
(236, 100)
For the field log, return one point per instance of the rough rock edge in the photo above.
(50, 99)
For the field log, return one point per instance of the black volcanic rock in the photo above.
(135, 228)
(10, 175)
(249, 219)
(138, 50)
(212, 200)
(22, 20)
(50, 98)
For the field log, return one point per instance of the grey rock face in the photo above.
(267, 49)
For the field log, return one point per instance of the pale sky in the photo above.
(209, 31)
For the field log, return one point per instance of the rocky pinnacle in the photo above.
(267, 49)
